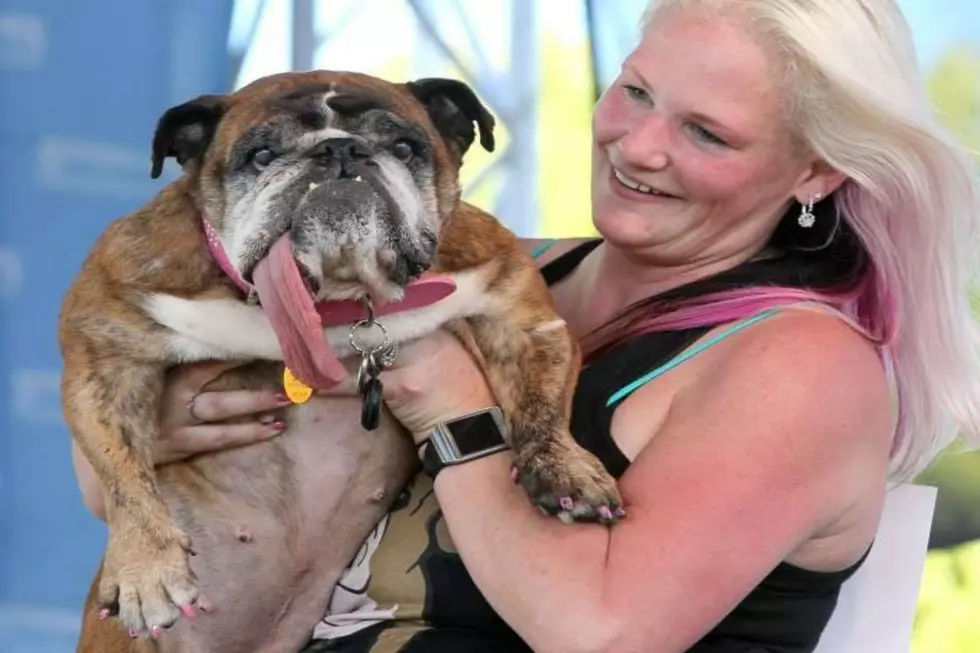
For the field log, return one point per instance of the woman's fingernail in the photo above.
(282, 398)
(278, 425)
(267, 419)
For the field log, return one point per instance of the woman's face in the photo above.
(691, 155)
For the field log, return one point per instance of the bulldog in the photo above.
(308, 204)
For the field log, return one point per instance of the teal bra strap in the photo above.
(543, 247)
(623, 392)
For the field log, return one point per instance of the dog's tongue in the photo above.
(289, 305)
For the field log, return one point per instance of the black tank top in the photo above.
(785, 613)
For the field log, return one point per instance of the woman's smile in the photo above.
(636, 191)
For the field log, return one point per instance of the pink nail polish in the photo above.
(103, 614)
(278, 425)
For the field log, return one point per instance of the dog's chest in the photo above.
(229, 329)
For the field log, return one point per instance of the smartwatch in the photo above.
(465, 438)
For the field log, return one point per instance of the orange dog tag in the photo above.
(297, 391)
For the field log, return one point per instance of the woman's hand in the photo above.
(193, 422)
(434, 379)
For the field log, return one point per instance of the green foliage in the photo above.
(950, 595)
(946, 620)
(957, 477)
(954, 87)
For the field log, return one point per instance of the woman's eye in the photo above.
(403, 149)
(707, 136)
(636, 93)
(262, 158)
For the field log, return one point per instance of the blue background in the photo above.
(83, 84)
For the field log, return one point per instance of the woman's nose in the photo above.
(647, 143)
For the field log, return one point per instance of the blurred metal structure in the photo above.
(510, 92)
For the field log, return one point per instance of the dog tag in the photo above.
(371, 408)
(297, 391)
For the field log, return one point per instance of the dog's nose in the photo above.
(407, 266)
(341, 148)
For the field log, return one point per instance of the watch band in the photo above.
(465, 438)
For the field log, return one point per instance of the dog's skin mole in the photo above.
(241, 532)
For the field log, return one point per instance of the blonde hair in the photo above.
(856, 99)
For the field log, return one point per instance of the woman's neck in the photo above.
(608, 280)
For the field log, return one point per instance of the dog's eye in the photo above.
(262, 158)
(403, 149)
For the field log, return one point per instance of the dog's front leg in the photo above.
(531, 362)
(111, 404)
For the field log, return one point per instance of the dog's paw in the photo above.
(571, 484)
(147, 581)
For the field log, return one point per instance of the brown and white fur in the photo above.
(272, 525)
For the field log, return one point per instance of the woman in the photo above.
(772, 196)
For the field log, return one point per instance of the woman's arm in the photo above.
(88, 482)
(769, 449)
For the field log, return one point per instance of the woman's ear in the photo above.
(821, 180)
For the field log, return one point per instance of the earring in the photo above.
(807, 219)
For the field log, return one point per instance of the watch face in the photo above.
(475, 432)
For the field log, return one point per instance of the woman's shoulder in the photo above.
(802, 358)
(807, 342)
(802, 383)
(790, 414)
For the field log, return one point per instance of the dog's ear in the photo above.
(453, 108)
(185, 131)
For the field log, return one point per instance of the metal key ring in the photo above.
(368, 323)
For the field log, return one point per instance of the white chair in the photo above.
(877, 604)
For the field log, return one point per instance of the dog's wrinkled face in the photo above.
(359, 172)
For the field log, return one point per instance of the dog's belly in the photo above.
(275, 524)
